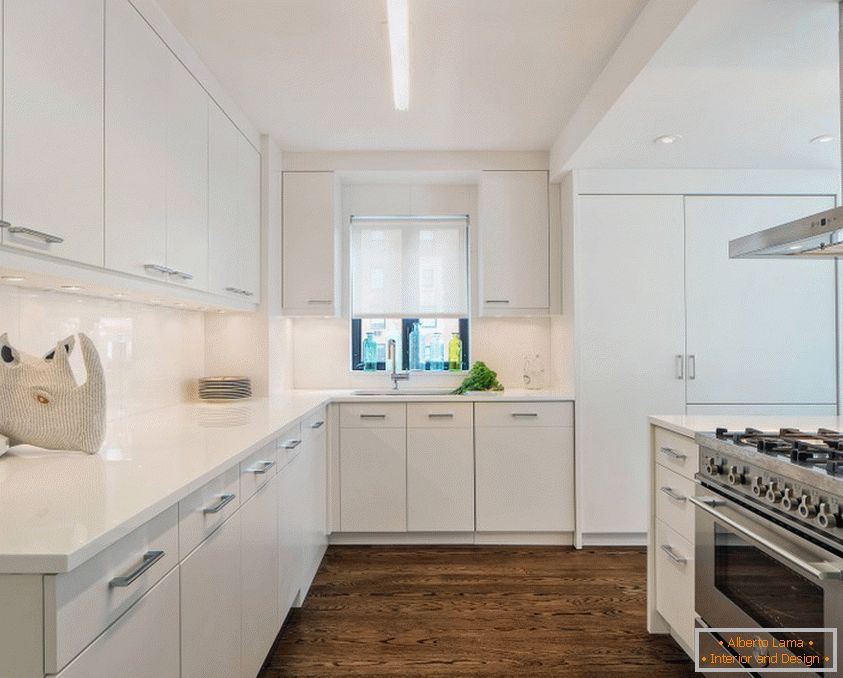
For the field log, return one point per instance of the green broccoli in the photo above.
(480, 378)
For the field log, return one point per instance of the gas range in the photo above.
(793, 476)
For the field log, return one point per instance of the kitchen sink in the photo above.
(404, 392)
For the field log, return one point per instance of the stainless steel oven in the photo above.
(752, 572)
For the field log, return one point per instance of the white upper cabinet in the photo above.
(514, 243)
(136, 143)
(234, 210)
(187, 178)
(745, 342)
(52, 127)
(309, 243)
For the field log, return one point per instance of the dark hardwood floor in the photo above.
(475, 611)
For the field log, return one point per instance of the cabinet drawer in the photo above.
(373, 415)
(142, 643)
(675, 581)
(82, 603)
(524, 414)
(288, 445)
(207, 508)
(672, 505)
(677, 452)
(440, 415)
(256, 470)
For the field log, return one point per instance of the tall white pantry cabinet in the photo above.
(666, 323)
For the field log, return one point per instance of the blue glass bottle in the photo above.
(415, 363)
(437, 352)
(370, 353)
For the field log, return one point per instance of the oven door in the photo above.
(753, 573)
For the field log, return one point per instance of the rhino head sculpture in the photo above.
(41, 403)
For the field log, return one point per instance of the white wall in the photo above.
(151, 355)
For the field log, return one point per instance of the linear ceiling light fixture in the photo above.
(398, 17)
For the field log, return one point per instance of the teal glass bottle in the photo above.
(437, 351)
(370, 353)
(415, 363)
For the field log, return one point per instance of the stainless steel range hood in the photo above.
(818, 236)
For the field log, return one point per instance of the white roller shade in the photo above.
(409, 266)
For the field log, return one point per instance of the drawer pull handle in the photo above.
(237, 290)
(262, 467)
(149, 559)
(224, 501)
(158, 268)
(673, 454)
(673, 495)
(441, 415)
(48, 238)
(525, 414)
(373, 416)
(675, 557)
(320, 301)
(291, 444)
(182, 275)
(317, 424)
(497, 301)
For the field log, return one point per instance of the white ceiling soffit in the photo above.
(485, 74)
(746, 83)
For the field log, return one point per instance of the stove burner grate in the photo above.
(823, 447)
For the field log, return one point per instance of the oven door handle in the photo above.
(818, 570)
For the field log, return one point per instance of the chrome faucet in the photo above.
(396, 376)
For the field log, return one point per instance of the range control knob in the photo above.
(735, 476)
(773, 492)
(758, 486)
(806, 507)
(826, 519)
(712, 467)
(788, 500)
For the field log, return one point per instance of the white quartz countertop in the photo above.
(57, 509)
(689, 425)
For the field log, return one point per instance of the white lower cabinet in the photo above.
(291, 509)
(258, 578)
(674, 564)
(525, 471)
(440, 468)
(211, 605)
(373, 480)
(142, 643)
(315, 457)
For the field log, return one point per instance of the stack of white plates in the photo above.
(225, 388)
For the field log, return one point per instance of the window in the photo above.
(409, 282)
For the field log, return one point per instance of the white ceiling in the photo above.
(747, 83)
(485, 74)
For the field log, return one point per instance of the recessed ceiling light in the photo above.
(398, 18)
(13, 278)
(793, 248)
(822, 139)
(71, 288)
(118, 295)
(667, 139)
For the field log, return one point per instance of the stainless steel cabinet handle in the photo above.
(149, 559)
(48, 238)
(818, 570)
(373, 416)
(224, 501)
(497, 301)
(525, 414)
(680, 366)
(673, 495)
(183, 275)
(320, 301)
(237, 290)
(675, 557)
(440, 415)
(262, 467)
(158, 268)
(291, 444)
(317, 424)
(692, 367)
(670, 452)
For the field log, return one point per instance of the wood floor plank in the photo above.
(475, 611)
